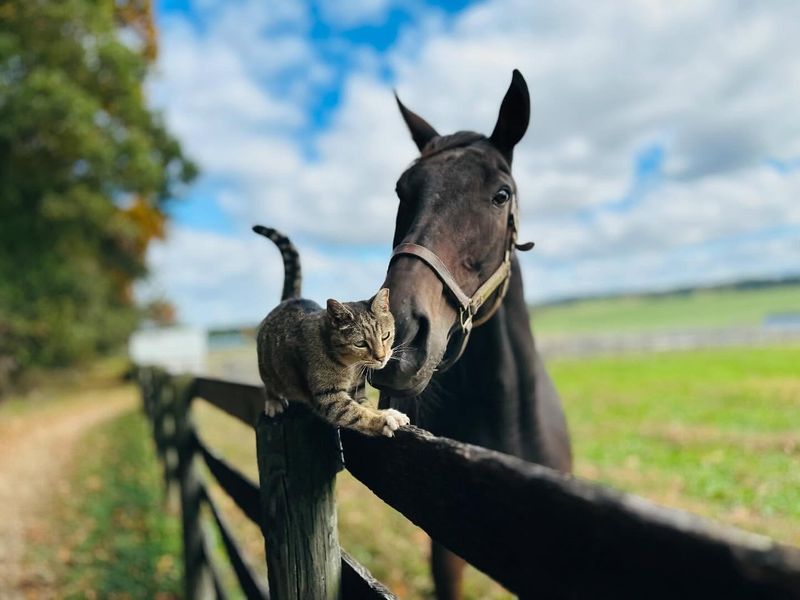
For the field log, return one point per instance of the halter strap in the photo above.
(468, 306)
(435, 263)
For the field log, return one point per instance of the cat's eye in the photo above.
(360, 344)
(386, 336)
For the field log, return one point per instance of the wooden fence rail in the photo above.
(538, 532)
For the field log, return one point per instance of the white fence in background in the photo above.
(174, 349)
(577, 345)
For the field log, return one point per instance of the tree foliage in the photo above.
(86, 168)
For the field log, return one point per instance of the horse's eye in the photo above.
(501, 196)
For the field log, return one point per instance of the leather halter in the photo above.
(468, 306)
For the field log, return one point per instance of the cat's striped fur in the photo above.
(319, 356)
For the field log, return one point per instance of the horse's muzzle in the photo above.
(406, 374)
(401, 392)
(420, 331)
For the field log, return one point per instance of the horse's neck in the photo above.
(504, 342)
(499, 394)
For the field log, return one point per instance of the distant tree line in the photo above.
(744, 284)
(86, 170)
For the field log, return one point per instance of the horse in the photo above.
(467, 366)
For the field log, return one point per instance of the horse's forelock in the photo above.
(459, 139)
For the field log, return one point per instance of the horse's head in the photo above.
(458, 203)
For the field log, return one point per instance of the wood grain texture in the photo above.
(298, 458)
(544, 534)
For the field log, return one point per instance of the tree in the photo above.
(86, 170)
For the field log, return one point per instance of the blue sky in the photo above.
(664, 148)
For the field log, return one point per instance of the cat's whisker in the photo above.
(401, 347)
(400, 358)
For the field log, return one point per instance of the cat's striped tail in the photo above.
(292, 277)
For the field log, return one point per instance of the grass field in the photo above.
(699, 309)
(715, 432)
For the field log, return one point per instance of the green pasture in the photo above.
(697, 309)
(716, 432)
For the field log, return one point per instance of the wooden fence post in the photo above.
(147, 386)
(162, 399)
(167, 431)
(197, 576)
(298, 458)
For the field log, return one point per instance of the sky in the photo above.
(663, 150)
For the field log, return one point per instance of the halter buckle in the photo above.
(465, 315)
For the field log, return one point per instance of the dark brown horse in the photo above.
(455, 266)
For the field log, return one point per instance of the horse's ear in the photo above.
(421, 131)
(515, 113)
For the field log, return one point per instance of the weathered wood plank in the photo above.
(298, 457)
(239, 400)
(243, 491)
(251, 585)
(541, 533)
(359, 584)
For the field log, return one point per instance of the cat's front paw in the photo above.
(273, 407)
(393, 420)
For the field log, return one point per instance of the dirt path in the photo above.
(37, 439)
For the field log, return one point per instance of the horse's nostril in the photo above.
(423, 327)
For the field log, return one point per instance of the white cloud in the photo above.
(713, 83)
(676, 215)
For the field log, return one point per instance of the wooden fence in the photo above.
(538, 532)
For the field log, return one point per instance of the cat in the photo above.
(320, 356)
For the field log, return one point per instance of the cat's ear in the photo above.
(380, 304)
(338, 313)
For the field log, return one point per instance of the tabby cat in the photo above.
(320, 356)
